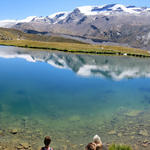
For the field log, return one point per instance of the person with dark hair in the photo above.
(47, 141)
(91, 146)
(98, 147)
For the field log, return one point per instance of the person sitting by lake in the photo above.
(47, 141)
(98, 143)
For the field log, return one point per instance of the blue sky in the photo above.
(20, 9)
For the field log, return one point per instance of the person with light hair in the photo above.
(98, 142)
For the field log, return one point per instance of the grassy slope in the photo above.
(13, 34)
(77, 48)
(17, 38)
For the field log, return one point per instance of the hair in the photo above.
(98, 148)
(47, 141)
(90, 146)
(97, 139)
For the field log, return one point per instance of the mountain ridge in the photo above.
(86, 10)
(113, 23)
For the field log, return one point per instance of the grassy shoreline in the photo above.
(78, 48)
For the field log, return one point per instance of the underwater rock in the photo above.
(25, 145)
(75, 118)
(133, 113)
(143, 132)
(13, 131)
(19, 147)
(64, 147)
(67, 141)
(112, 132)
(1, 132)
(74, 146)
(119, 134)
(132, 137)
(132, 133)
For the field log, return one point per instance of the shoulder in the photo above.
(104, 147)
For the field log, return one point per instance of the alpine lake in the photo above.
(72, 97)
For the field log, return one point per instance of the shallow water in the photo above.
(72, 98)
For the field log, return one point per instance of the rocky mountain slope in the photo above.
(113, 23)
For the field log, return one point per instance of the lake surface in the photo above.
(73, 97)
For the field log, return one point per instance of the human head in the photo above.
(97, 139)
(47, 141)
(91, 146)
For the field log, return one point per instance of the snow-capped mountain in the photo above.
(111, 9)
(113, 23)
(10, 23)
(53, 19)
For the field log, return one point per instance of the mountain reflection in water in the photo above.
(36, 98)
(115, 68)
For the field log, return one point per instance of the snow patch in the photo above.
(28, 19)
(62, 14)
(23, 56)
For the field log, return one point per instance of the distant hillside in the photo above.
(13, 34)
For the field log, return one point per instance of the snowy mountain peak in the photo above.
(85, 10)
(111, 9)
(9, 23)
(60, 15)
(28, 19)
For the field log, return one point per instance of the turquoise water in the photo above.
(73, 97)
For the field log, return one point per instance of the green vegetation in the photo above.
(12, 37)
(77, 48)
(13, 34)
(119, 147)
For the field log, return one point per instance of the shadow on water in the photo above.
(145, 89)
(146, 100)
(2, 90)
(1, 110)
(21, 92)
(20, 105)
